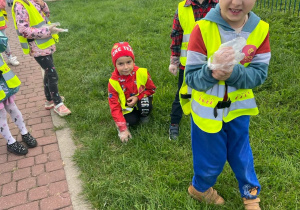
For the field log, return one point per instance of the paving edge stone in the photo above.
(67, 149)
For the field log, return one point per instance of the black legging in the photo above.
(50, 78)
(144, 108)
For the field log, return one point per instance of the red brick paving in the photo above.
(37, 180)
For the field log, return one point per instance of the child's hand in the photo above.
(125, 136)
(221, 75)
(131, 101)
(225, 58)
(173, 69)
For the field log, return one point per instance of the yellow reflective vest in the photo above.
(187, 22)
(141, 80)
(10, 78)
(203, 104)
(2, 17)
(35, 21)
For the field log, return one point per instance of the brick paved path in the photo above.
(37, 180)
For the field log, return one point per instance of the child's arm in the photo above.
(176, 36)
(197, 75)
(22, 20)
(116, 109)
(256, 73)
(44, 7)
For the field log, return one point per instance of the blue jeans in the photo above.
(211, 150)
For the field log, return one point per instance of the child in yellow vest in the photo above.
(222, 100)
(187, 13)
(130, 90)
(11, 59)
(30, 18)
(9, 86)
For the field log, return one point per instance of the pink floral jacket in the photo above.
(22, 19)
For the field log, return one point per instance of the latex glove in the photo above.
(131, 101)
(228, 54)
(125, 136)
(223, 59)
(173, 69)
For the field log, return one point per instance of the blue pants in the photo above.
(211, 150)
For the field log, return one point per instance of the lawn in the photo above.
(151, 172)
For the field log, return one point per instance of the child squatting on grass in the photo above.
(130, 90)
(222, 99)
(37, 39)
(9, 86)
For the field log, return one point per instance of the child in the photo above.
(11, 59)
(222, 100)
(9, 86)
(36, 40)
(130, 90)
(188, 12)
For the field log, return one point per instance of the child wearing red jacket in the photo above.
(130, 90)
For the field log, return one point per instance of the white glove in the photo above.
(228, 54)
(173, 69)
(125, 135)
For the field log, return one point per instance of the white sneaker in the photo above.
(13, 61)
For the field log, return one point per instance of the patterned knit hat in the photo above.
(121, 49)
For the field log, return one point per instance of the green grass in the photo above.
(151, 172)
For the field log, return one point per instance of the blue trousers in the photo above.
(211, 150)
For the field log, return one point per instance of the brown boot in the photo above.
(251, 204)
(209, 196)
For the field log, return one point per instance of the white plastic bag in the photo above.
(54, 29)
(219, 61)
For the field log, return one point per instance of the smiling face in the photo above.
(125, 65)
(234, 11)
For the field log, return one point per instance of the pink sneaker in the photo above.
(50, 104)
(62, 110)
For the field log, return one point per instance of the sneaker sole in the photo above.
(30, 146)
(15, 153)
(52, 106)
(49, 107)
(60, 114)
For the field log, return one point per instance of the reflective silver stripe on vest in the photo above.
(217, 90)
(2, 18)
(186, 38)
(42, 41)
(230, 89)
(1, 61)
(183, 53)
(7, 76)
(206, 112)
(25, 45)
(245, 104)
(39, 25)
(128, 109)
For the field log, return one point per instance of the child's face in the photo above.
(125, 65)
(234, 11)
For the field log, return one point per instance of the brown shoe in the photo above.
(251, 204)
(209, 196)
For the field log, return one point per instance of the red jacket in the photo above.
(128, 84)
